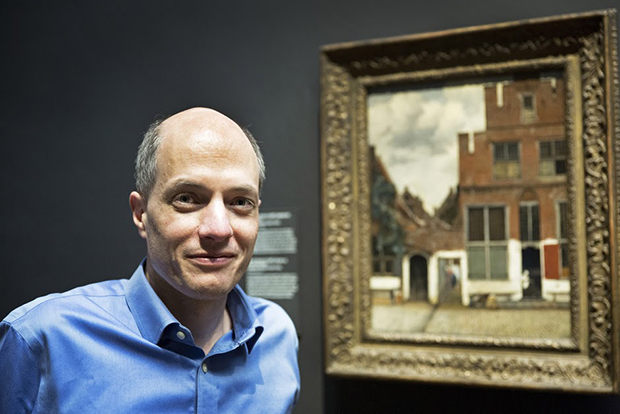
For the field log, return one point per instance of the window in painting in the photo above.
(385, 265)
(528, 108)
(552, 157)
(506, 160)
(529, 222)
(487, 246)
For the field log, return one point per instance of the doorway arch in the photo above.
(418, 280)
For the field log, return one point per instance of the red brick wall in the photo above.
(549, 103)
(512, 196)
(505, 124)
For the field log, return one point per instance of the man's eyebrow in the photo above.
(187, 183)
(244, 189)
(183, 182)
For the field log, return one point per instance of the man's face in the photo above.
(201, 218)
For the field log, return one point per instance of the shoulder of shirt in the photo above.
(261, 305)
(47, 306)
(270, 313)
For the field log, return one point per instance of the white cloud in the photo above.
(415, 134)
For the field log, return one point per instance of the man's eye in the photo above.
(184, 199)
(242, 202)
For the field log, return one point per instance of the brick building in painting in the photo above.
(504, 229)
(513, 192)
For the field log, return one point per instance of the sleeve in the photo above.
(20, 372)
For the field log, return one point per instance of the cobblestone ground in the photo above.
(460, 320)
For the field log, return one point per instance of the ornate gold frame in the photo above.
(584, 46)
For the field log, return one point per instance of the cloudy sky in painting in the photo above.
(415, 135)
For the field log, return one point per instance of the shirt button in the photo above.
(181, 335)
(204, 367)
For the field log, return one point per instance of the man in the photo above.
(179, 335)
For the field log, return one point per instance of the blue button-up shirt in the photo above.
(113, 347)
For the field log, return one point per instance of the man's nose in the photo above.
(215, 222)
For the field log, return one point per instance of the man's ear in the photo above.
(138, 212)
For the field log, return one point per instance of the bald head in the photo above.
(185, 124)
(197, 120)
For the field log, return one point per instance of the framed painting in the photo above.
(470, 205)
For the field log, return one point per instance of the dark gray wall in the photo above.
(80, 82)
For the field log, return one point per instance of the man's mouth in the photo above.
(210, 259)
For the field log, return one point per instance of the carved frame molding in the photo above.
(584, 46)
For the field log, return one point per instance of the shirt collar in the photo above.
(150, 313)
(152, 316)
(246, 325)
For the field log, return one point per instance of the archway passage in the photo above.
(418, 280)
(531, 263)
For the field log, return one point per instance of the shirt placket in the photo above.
(207, 393)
